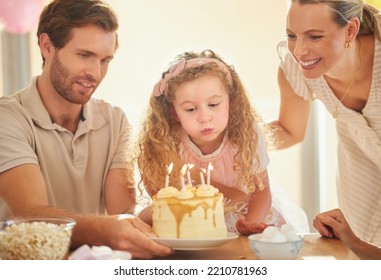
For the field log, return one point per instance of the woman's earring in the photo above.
(348, 44)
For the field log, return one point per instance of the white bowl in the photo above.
(266, 250)
(35, 238)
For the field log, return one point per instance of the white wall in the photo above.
(153, 32)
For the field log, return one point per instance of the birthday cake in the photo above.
(192, 213)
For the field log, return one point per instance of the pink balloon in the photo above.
(20, 16)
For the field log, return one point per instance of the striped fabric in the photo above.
(359, 147)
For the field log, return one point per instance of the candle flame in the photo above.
(202, 178)
(183, 169)
(190, 166)
(210, 166)
(169, 168)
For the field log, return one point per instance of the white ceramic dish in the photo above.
(288, 250)
(196, 244)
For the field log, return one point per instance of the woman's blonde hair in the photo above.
(344, 10)
(159, 142)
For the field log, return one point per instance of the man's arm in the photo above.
(23, 189)
(120, 193)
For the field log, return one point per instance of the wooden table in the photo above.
(239, 249)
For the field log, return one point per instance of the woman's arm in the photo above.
(291, 126)
(333, 224)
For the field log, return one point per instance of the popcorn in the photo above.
(34, 241)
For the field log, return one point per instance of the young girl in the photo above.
(200, 114)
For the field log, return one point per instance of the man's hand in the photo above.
(132, 235)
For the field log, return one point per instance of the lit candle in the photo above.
(169, 170)
(190, 166)
(183, 170)
(210, 167)
(202, 177)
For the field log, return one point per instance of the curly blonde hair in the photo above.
(159, 139)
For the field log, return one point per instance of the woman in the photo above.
(333, 53)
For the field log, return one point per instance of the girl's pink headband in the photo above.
(162, 86)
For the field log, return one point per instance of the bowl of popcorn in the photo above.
(35, 238)
(276, 243)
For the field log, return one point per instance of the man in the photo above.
(63, 153)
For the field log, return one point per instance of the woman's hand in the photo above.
(333, 224)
